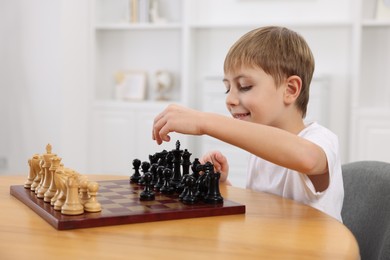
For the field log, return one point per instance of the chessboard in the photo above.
(121, 205)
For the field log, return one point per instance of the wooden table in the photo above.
(271, 228)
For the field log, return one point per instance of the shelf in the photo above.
(137, 26)
(375, 23)
(372, 111)
(311, 24)
(118, 104)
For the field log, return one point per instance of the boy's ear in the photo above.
(292, 89)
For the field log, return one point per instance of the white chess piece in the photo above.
(93, 205)
(72, 205)
(84, 196)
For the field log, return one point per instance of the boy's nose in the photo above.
(231, 99)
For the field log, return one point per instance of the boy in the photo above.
(267, 77)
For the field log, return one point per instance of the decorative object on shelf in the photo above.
(383, 10)
(131, 85)
(164, 83)
(140, 11)
(154, 13)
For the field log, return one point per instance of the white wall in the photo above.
(43, 80)
(248, 11)
(44, 70)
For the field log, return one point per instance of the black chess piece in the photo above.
(147, 193)
(213, 195)
(162, 158)
(144, 168)
(136, 175)
(153, 171)
(184, 192)
(200, 187)
(186, 162)
(167, 188)
(169, 160)
(177, 155)
(195, 169)
(190, 197)
(153, 158)
(160, 178)
(202, 183)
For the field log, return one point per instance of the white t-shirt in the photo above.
(268, 177)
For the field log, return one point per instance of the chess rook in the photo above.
(72, 205)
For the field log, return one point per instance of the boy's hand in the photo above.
(177, 119)
(219, 161)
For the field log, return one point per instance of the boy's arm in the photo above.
(270, 143)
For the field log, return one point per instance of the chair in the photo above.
(366, 208)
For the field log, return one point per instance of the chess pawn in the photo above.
(84, 196)
(34, 168)
(72, 205)
(92, 205)
(147, 193)
(145, 168)
(167, 188)
(160, 178)
(136, 175)
(153, 171)
(190, 197)
(51, 191)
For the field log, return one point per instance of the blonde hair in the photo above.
(280, 52)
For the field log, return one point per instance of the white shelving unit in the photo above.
(121, 130)
(370, 103)
(351, 49)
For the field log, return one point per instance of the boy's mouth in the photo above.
(241, 116)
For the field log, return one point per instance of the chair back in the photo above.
(366, 208)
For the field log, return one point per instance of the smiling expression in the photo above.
(251, 95)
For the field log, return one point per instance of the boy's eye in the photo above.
(245, 88)
(227, 90)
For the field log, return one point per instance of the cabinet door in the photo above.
(123, 133)
(372, 140)
(112, 142)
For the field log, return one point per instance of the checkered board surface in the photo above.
(117, 198)
(121, 205)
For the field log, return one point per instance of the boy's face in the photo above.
(253, 96)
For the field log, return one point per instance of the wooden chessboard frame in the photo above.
(107, 218)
